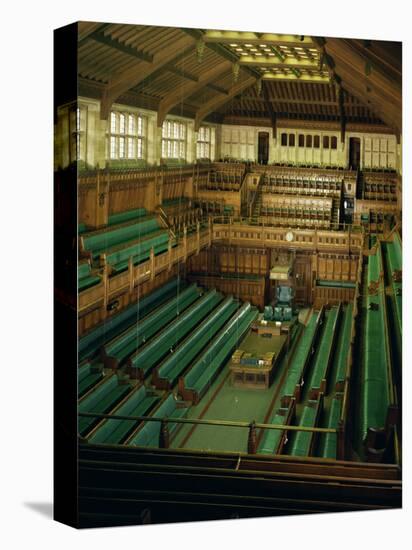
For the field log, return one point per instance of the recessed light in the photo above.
(248, 45)
(262, 45)
(233, 45)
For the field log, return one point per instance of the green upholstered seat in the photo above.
(91, 342)
(130, 340)
(328, 441)
(299, 357)
(84, 276)
(374, 391)
(324, 349)
(151, 354)
(128, 215)
(209, 363)
(343, 344)
(113, 432)
(176, 363)
(148, 435)
(118, 258)
(271, 438)
(300, 443)
(104, 240)
(104, 397)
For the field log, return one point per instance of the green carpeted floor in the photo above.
(225, 402)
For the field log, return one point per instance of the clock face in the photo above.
(289, 236)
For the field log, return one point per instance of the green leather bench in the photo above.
(103, 240)
(84, 276)
(374, 389)
(90, 343)
(271, 438)
(118, 258)
(328, 445)
(343, 345)
(300, 357)
(119, 348)
(177, 363)
(127, 216)
(210, 362)
(142, 362)
(114, 432)
(148, 435)
(101, 400)
(300, 445)
(87, 377)
(324, 350)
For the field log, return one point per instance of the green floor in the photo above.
(225, 402)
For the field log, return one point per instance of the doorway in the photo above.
(263, 147)
(354, 153)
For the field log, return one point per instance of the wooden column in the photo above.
(152, 264)
(340, 441)
(252, 439)
(164, 436)
(198, 237)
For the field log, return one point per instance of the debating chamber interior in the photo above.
(239, 272)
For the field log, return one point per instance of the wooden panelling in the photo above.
(245, 289)
(328, 295)
(336, 267)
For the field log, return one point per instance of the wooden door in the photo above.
(263, 147)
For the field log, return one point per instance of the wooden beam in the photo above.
(238, 37)
(217, 102)
(188, 88)
(274, 62)
(131, 77)
(316, 79)
(102, 38)
(341, 114)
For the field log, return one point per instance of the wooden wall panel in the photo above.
(332, 296)
(336, 267)
(246, 290)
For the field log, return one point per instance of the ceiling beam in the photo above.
(216, 102)
(131, 77)
(237, 37)
(265, 60)
(102, 38)
(179, 94)
(316, 79)
(286, 99)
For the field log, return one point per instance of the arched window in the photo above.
(316, 142)
(291, 140)
(301, 140)
(284, 140)
(326, 142)
(309, 141)
(333, 142)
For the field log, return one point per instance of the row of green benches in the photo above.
(198, 379)
(86, 277)
(90, 344)
(167, 374)
(141, 363)
(374, 385)
(118, 349)
(302, 443)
